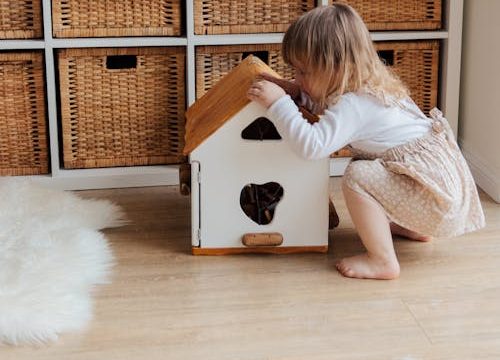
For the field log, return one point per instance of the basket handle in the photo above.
(387, 56)
(263, 55)
(120, 62)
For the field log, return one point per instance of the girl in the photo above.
(408, 176)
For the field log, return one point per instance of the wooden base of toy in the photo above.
(259, 249)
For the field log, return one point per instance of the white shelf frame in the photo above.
(451, 39)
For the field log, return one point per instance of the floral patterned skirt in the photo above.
(424, 185)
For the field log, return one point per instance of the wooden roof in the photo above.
(221, 102)
(224, 100)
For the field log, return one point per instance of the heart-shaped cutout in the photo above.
(259, 202)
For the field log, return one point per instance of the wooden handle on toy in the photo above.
(262, 239)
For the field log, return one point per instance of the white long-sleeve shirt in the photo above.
(357, 119)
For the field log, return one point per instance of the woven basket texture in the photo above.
(107, 18)
(21, 19)
(240, 17)
(398, 14)
(122, 106)
(214, 62)
(23, 124)
(417, 65)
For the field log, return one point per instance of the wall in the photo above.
(479, 114)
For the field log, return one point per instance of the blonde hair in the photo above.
(333, 43)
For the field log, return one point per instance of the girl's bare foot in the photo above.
(399, 230)
(366, 267)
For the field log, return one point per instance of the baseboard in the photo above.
(484, 176)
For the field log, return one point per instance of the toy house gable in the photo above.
(221, 102)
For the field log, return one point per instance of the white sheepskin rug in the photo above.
(51, 256)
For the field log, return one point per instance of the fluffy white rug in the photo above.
(51, 256)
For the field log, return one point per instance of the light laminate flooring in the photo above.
(164, 303)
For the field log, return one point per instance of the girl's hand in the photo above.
(290, 87)
(265, 92)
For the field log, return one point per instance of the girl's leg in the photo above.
(399, 230)
(380, 261)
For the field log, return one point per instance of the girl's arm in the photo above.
(337, 127)
(295, 92)
(311, 141)
(290, 87)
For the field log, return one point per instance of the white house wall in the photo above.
(228, 163)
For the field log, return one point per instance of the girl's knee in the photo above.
(346, 184)
(353, 175)
(361, 176)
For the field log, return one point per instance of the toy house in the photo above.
(250, 192)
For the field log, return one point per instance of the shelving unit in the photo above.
(168, 174)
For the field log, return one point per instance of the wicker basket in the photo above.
(415, 62)
(23, 125)
(241, 17)
(102, 18)
(417, 65)
(213, 62)
(398, 14)
(21, 19)
(122, 106)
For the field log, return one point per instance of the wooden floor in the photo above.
(165, 303)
